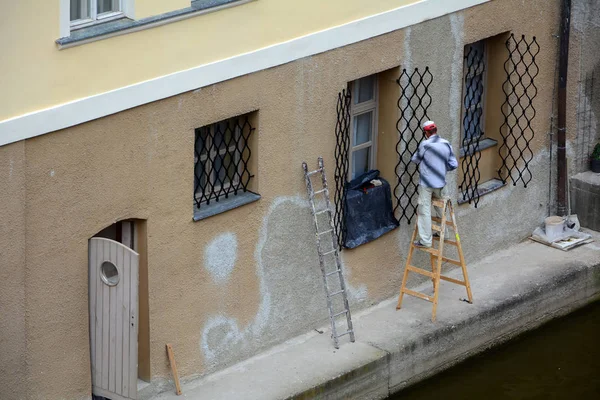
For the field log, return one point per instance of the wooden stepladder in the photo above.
(329, 256)
(437, 257)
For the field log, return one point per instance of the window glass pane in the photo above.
(475, 56)
(362, 128)
(472, 124)
(224, 168)
(200, 176)
(366, 89)
(223, 134)
(80, 9)
(473, 91)
(360, 161)
(201, 140)
(107, 6)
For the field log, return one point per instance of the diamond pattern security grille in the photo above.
(518, 110)
(472, 129)
(222, 154)
(413, 103)
(342, 147)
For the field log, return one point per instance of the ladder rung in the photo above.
(451, 261)
(439, 203)
(420, 271)
(452, 242)
(321, 211)
(436, 228)
(336, 293)
(417, 294)
(439, 220)
(320, 191)
(445, 278)
(345, 333)
(329, 252)
(325, 232)
(316, 171)
(338, 314)
(430, 250)
(334, 272)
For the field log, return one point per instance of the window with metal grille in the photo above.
(222, 160)
(507, 90)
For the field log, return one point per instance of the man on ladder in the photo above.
(434, 157)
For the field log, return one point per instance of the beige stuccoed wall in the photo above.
(64, 187)
(13, 345)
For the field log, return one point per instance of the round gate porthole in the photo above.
(109, 273)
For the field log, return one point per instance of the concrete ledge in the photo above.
(514, 290)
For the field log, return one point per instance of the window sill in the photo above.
(485, 188)
(124, 25)
(485, 143)
(224, 205)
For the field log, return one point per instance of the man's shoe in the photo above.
(418, 243)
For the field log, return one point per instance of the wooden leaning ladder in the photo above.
(436, 257)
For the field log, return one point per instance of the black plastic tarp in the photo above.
(368, 210)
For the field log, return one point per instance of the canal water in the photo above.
(560, 360)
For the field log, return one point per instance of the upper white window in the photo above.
(364, 115)
(87, 12)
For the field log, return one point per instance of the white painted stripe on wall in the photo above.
(103, 104)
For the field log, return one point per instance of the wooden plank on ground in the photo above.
(173, 368)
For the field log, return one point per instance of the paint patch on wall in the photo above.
(292, 297)
(220, 257)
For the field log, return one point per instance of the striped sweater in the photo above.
(434, 157)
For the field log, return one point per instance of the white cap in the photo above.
(429, 125)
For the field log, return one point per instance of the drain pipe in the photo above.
(562, 107)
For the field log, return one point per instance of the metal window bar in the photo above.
(586, 125)
(222, 154)
(518, 110)
(413, 103)
(342, 163)
(472, 123)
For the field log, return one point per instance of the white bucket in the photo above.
(554, 228)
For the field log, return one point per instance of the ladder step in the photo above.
(345, 333)
(430, 250)
(439, 220)
(452, 242)
(316, 171)
(325, 232)
(340, 313)
(336, 293)
(320, 191)
(431, 275)
(436, 228)
(451, 261)
(417, 294)
(439, 203)
(329, 252)
(445, 278)
(420, 271)
(321, 211)
(334, 272)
